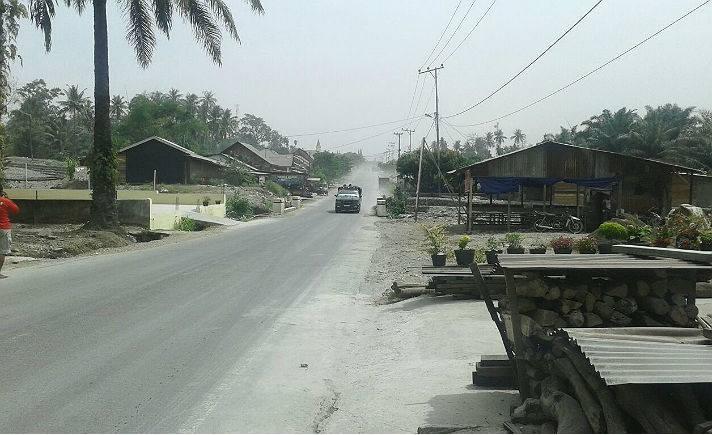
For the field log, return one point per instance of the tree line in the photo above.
(668, 133)
(49, 122)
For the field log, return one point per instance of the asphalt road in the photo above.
(139, 341)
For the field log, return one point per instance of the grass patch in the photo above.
(188, 224)
(276, 189)
(239, 208)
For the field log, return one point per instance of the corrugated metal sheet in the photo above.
(646, 355)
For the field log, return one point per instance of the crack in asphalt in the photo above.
(327, 407)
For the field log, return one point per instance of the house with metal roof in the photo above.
(595, 180)
(268, 161)
(172, 163)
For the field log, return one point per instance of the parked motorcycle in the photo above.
(557, 222)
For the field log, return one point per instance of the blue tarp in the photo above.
(497, 185)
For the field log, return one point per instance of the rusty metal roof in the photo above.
(646, 355)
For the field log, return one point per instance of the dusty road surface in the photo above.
(267, 327)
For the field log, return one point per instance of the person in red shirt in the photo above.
(6, 207)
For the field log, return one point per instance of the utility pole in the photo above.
(434, 73)
(410, 138)
(417, 186)
(391, 149)
(399, 135)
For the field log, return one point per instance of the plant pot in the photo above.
(205, 203)
(492, 256)
(464, 257)
(605, 248)
(705, 247)
(513, 250)
(587, 251)
(563, 250)
(537, 250)
(439, 260)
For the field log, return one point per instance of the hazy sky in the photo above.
(312, 66)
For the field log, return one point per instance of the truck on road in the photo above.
(348, 198)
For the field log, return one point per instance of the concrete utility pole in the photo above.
(434, 73)
(417, 186)
(410, 138)
(399, 135)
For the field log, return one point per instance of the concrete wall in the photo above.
(81, 194)
(53, 211)
(215, 210)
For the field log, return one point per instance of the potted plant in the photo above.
(493, 248)
(206, 201)
(538, 247)
(562, 245)
(706, 241)
(514, 243)
(609, 233)
(638, 234)
(464, 256)
(586, 245)
(436, 243)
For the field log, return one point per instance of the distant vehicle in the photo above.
(348, 199)
(558, 222)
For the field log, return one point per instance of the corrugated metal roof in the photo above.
(646, 355)
(185, 151)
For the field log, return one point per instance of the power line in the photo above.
(454, 31)
(390, 130)
(442, 34)
(470, 33)
(603, 65)
(412, 99)
(530, 63)
(353, 128)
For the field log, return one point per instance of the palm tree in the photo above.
(118, 107)
(75, 102)
(519, 138)
(228, 124)
(207, 101)
(609, 131)
(214, 117)
(499, 138)
(191, 104)
(11, 11)
(174, 95)
(141, 15)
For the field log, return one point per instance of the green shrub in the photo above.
(396, 204)
(276, 189)
(188, 224)
(706, 238)
(436, 239)
(494, 244)
(238, 208)
(71, 167)
(612, 231)
(238, 175)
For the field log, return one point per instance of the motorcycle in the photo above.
(557, 222)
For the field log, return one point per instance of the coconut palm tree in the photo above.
(609, 131)
(191, 105)
(74, 101)
(118, 107)
(11, 11)
(174, 95)
(207, 102)
(228, 124)
(204, 17)
(519, 138)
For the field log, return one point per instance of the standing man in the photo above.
(6, 207)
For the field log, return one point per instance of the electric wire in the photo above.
(353, 128)
(390, 130)
(454, 31)
(603, 65)
(470, 33)
(530, 63)
(442, 34)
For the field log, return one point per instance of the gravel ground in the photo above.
(401, 253)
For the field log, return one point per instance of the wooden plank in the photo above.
(517, 334)
(680, 254)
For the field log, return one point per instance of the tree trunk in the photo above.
(104, 210)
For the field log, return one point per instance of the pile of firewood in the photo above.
(569, 396)
(565, 393)
(646, 300)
